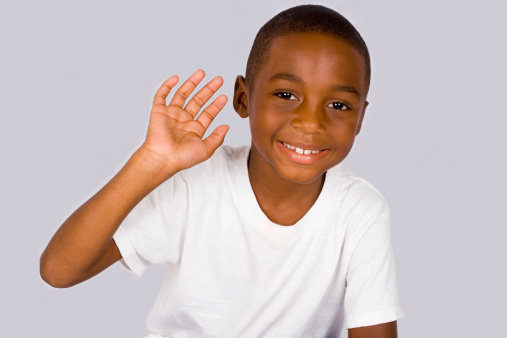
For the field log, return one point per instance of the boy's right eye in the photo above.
(286, 95)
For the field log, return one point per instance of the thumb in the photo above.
(216, 138)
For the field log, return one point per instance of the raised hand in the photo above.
(174, 139)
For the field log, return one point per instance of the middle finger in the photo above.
(186, 89)
(203, 95)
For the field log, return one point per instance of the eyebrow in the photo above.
(298, 80)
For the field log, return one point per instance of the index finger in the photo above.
(164, 90)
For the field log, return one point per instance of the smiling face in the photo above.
(306, 106)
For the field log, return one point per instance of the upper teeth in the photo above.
(301, 151)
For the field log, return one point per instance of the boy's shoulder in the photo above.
(355, 189)
(227, 152)
(224, 154)
(228, 161)
(352, 178)
(228, 156)
(224, 161)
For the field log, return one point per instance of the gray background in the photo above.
(77, 81)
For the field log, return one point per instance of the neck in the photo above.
(284, 202)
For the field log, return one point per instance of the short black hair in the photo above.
(303, 19)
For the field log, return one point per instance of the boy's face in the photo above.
(310, 98)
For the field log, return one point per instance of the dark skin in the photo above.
(310, 94)
(312, 115)
(83, 246)
(386, 330)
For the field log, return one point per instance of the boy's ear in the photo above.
(361, 118)
(240, 101)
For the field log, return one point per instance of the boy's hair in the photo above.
(303, 19)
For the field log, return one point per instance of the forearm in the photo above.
(82, 246)
(385, 330)
(82, 239)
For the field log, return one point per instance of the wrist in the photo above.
(150, 168)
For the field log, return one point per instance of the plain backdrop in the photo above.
(77, 81)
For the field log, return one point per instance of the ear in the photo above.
(240, 101)
(361, 117)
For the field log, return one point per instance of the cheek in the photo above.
(344, 126)
(267, 121)
(260, 128)
(345, 133)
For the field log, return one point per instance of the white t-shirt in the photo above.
(234, 273)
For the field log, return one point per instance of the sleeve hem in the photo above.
(130, 259)
(374, 317)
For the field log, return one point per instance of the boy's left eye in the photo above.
(338, 106)
(334, 105)
(286, 95)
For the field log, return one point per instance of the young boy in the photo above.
(275, 239)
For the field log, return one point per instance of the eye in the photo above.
(286, 95)
(338, 106)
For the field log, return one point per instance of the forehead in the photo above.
(319, 59)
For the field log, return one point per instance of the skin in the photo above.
(310, 93)
(83, 247)
(386, 330)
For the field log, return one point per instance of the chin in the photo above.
(300, 176)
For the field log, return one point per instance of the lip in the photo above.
(304, 145)
(301, 158)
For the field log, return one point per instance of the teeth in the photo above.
(289, 146)
(301, 151)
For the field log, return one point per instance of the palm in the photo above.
(175, 132)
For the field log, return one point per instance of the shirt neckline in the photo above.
(247, 203)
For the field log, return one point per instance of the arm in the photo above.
(83, 246)
(371, 294)
(386, 330)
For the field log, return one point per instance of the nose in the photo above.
(309, 119)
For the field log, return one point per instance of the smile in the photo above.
(304, 154)
(300, 150)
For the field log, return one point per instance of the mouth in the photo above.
(302, 153)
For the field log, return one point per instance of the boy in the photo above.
(275, 239)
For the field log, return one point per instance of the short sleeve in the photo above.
(371, 295)
(152, 233)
